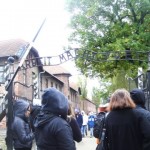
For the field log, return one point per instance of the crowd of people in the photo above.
(121, 124)
(126, 122)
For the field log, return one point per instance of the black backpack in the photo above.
(98, 125)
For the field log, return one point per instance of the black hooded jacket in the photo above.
(138, 97)
(52, 132)
(22, 136)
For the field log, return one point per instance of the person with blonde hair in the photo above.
(126, 127)
(77, 136)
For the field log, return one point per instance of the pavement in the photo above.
(87, 143)
(2, 139)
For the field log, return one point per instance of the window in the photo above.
(24, 76)
(35, 85)
(46, 83)
(1, 68)
(51, 84)
(21, 50)
(60, 88)
(2, 74)
(56, 85)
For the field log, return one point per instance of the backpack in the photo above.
(98, 125)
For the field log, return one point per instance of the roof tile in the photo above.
(11, 47)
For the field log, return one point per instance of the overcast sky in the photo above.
(22, 18)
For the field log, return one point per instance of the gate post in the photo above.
(8, 87)
(148, 83)
(148, 89)
(9, 116)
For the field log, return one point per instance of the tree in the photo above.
(119, 81)
(96, 96)
(82, 83)
(110, 25)
(101, 94)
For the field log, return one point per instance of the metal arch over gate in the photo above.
(67, 55)
(88, 55)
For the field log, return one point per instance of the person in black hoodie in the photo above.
(138, 97)
(52, 132)
(22, 135)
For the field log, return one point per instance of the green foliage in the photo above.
(110, 25)
(82, 83)
(100, 94)
(96, 96)
(119, 81)
(107, 87)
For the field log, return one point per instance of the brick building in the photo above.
(33, 77)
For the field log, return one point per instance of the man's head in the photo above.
(138, 97)
(76, 111)
(103, 107)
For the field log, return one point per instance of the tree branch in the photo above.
(132, 11)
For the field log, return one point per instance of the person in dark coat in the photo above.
(77, 136)
(79, 118)
(126, 128)
(35, 110)
(138, 97)
(52, 132)
(22, 135)
(99, 125)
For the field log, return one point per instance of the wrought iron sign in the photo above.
(49, 61)
(115, 55)
(86, 55)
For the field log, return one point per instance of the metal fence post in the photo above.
(148, 83)
(9, 115)
(148, 89)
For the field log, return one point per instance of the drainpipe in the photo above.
(39, 82)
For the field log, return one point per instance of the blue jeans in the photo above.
(91, 132)
(84, 130)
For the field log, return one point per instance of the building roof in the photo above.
(17, 48)
(11, 47)
(55, 70)
(90, 101)
(55, 77)
(73, 86)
